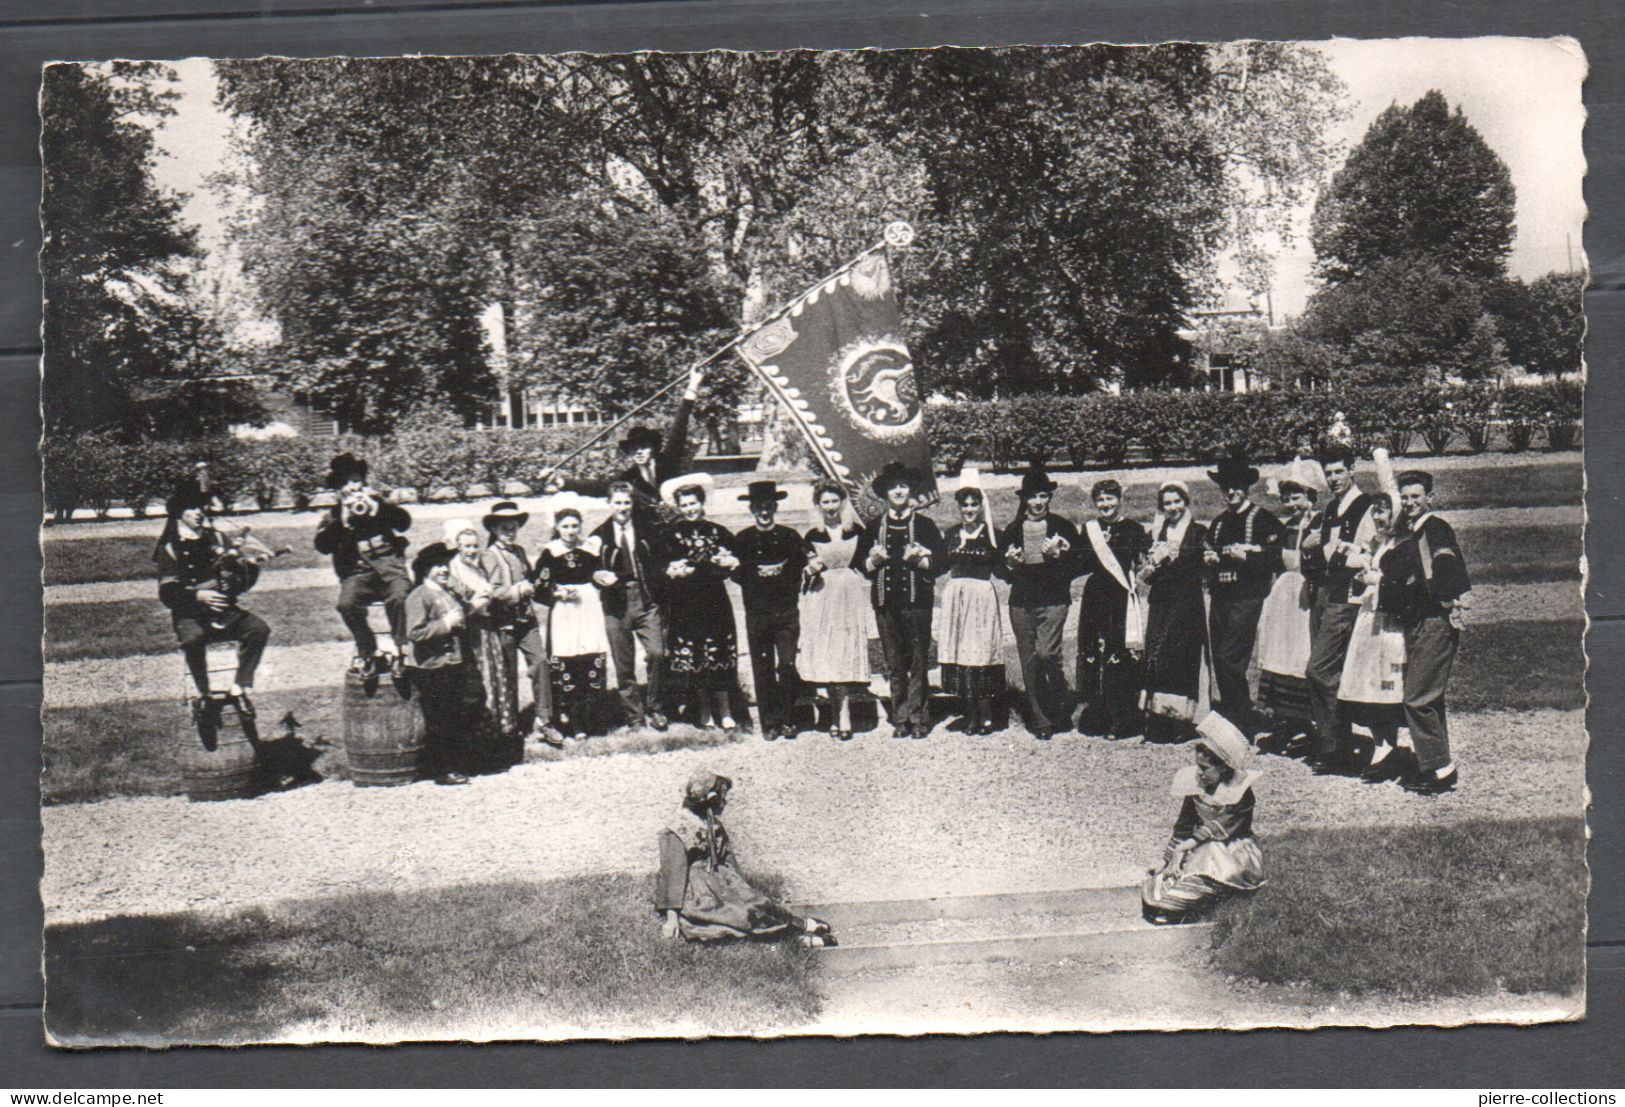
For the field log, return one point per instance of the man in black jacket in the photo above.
(1243, 556)
(199, 580)
(365, 535)
(651, 460)
(1041, 554)
(1345, 527)
(1428, 564)
(897, 551)
(631, 605)
(771, 558)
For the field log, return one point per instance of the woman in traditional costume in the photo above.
(702, 643)
(834, 646)
(1371, 692)
(449, 694)
(577, 637)
(970, 634)
(1176, 617)
(486, 639)
(1111, 619)
(1212, 853)
(701, 895)
(1283, 625)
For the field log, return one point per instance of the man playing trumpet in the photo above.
(364, 534)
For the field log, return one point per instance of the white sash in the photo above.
(1134, 625)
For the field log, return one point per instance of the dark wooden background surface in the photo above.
(32, 33)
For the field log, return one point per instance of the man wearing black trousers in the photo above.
(1345, 526)
(771, 559)
(897, 552)
(365, 534)
(631, 605)
(1243, 556)
(1041, 559)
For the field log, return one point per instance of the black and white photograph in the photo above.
(762, 544)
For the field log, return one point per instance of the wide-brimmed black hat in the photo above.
(639, 438)
(505, 511)
(435, 553)
(1234, 472)
(1035, 480)
(759, 490)
(185, 497)
(895, 472)
(343, 468)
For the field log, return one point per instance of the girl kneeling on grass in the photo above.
(703, 897)
(1212, 853)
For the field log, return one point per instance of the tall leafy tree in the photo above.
(1422, 183)
(1542, 322)
(1069, 205)
(130, 344)
(1406, 321)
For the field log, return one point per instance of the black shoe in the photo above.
(245, 706)
(902, 730)
(200, 710)
(788, 732)
(361, 665)
(843, 735)
(1392, 767)
(770, 733)
(1429, 785)
(1044, 733)
(397, 666)
(1337, 764)
(1298, 747)
(655, 721)
(450, 779)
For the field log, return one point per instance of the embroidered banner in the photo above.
(837, 362)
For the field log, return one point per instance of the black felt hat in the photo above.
(344, 468)
(759, 490)
(895, 473)
(185, 497)
(639, 438)
(1035, 480)
(1234, 472)
(435, 553)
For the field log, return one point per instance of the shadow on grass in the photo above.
(581, 955)
(1416, 912)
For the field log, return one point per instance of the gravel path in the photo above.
(103, 680)
(979, 815)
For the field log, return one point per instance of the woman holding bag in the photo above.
(1111, 619)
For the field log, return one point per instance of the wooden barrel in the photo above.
(383, 730)
(217, 752)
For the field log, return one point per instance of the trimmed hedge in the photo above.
(438, 461)
(1100, 430)
(95, 472)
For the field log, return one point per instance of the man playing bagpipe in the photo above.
(364, 534)
(201, 572)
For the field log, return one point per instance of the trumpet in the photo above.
(361, 502)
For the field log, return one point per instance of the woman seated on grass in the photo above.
(703, 897)
(1212, 853)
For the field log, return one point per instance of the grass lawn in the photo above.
(1416, 911)
(124, 628)
(578, 955)
(86, 760)
(1557, 482)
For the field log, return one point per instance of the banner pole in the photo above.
(708, 359)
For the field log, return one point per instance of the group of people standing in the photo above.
(1354, 606)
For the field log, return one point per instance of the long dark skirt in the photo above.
(702, 645)
(1175, 638)
(1108, 675)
